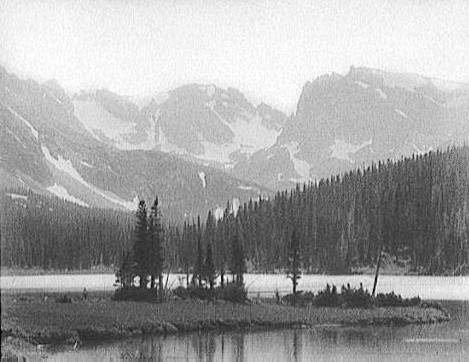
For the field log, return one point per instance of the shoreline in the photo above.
(30, 321)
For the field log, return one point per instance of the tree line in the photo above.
(40, 231)
(415, 209)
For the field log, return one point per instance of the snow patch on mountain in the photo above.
(219, 212)
(402, 114)
(342, 150)
(95, 118)
(302, 167)
(203, 179)
(431, 99)
(33, 130)
(86, 164)
(17, 196)
(98, 121)
(381, 93)
(242, 187)
(362, 84)
(54, 98)
(235, 206)
(62, 192)
(250, 136)
(66, 166)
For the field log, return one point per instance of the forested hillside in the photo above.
(417, 209)
(49, 233)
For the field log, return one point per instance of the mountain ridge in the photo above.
(341, 122)
(46, 148)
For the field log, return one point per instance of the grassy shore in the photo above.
(31, 319)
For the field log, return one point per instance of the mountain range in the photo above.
(199, 146)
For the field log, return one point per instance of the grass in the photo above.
(33, 319)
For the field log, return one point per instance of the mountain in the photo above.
(44, 146)
(202, 123)
(343, 122)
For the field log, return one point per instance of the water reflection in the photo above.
(447, 341)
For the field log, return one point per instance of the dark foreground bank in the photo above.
(32, 320)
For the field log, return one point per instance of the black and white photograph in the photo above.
(234, 180)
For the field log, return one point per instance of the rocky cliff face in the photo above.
(343, 122)
(45, 146)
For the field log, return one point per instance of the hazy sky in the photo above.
(267, 49)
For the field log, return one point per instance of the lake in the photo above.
(446, 341)
(427, 287)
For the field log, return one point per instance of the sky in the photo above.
(267, 49)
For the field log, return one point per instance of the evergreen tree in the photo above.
(199, 265)
(294, 263)
(209, 267)
(125, 275)
(141, 249)
(156, 251)
(238, 259)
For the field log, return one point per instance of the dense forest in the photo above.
(415, 209)
(50, 233)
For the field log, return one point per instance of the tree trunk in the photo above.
(160, 286)
(377, 272)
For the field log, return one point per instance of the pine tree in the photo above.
(199, 264)
(124, 275)
(156, 250)
(141, 245)
(294, 262)
(209, 267)
(238, 259)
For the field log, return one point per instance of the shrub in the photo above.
(395, 300)
(432, 304)
(300, 299)
(232, 292)
(181, 292)
(136, 294)
(63, 299)
(355, 298)
(327, 297)
(277, 296)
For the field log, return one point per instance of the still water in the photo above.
(427, 287)
(440, 342)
